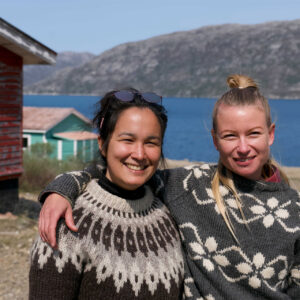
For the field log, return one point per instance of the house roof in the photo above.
(18, 42)
(77, 135)
(44, 118)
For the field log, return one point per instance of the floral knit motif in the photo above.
(263, 264)
(124, 249)
(265, 261)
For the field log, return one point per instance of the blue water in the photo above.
(188, 132)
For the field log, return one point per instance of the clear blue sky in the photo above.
(98, 25)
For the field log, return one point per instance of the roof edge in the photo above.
(17, 41)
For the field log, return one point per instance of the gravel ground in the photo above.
(17, 232)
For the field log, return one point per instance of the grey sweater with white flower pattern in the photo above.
(264, 264)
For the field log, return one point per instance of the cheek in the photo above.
(262, 145)
(225, 148)
(154, 155)
(118, 151)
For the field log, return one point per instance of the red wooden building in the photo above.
(16, 49)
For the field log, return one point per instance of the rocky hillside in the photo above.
(64, 60)
(192, 63)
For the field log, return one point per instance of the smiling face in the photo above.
(134, 149)
(243, 139)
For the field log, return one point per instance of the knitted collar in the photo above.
(248, 186)
(275, 177)
(118, 191)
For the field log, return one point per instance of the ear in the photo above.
(271, 134)
(214, 137)
(100, 144)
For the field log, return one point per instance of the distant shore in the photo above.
(293, 173)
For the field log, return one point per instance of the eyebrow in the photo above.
(133, 135)
(233, 130)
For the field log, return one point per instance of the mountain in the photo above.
(36, 73)
(191, 63)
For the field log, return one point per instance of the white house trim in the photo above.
(83, 149)
(59, 149)
(75, 148)
(44, 139)
(34, 131)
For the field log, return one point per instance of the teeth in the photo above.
(243, 159)
(134, 167)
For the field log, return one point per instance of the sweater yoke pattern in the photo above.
(132, 245)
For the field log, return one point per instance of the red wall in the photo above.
(11, 101)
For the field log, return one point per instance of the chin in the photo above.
(253, 173)
(248, 174)
(133, 185)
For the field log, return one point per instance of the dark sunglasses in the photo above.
(128, 96)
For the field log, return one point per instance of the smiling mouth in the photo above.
(135, 167)
(244, 159)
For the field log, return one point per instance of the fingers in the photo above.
(54, 208)
(69, 219)
(41, 226)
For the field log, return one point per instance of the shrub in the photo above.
(39, 169)
(42, 149)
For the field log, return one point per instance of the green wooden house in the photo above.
(67, 130)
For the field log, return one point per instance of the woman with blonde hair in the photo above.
(239, 219)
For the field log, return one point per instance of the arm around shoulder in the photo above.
(71, 184)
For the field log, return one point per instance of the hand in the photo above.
(54, 208)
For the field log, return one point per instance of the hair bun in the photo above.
(240, 81)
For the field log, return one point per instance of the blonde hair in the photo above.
(244, 91)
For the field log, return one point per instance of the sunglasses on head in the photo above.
(127, 96)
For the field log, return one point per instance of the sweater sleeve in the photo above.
(52, 274)
(293, 289)
(294, 280)
(71, 184)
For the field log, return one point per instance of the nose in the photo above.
(138, 152)
(243, 146)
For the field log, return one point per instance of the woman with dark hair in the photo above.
(239, 219)
(126, 246)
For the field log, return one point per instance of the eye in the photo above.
(228, 136)
(153, 143)
(127, 140)
(255, 133)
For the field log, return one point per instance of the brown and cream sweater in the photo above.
(124, 249)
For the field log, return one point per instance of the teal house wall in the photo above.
(65, 129)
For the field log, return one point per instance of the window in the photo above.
(26, 141)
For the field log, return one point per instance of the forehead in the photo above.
(250, 107)
(138, 119)
(240, 116)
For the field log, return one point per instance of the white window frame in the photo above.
(28, 137)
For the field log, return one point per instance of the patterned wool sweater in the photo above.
(124, 249)
(264, 264)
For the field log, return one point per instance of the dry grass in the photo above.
(294, 176)
(17, 232)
